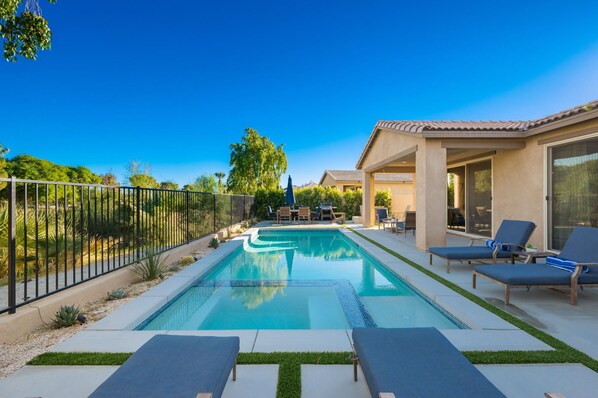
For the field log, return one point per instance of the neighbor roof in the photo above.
(492, 128)
(357, 176)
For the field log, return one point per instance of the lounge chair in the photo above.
(511, 235)
(576, 265)
(414, 363)
(326, 212)
(174, 366)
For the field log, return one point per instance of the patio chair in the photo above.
(175, 366)
(284, 214)
(416, 363)
(511, 235)
(382, 217)
(271, 213)
(576, 265)
(409, 224)
(304, 214)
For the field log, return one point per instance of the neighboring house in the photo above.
(543, 170)
(400, 186)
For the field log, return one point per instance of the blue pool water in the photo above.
(298, 280)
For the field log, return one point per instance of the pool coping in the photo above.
(115, 333)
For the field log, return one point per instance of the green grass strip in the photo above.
(81, 358)
(564, 350)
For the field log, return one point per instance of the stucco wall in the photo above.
(402, 196)
(388, 144)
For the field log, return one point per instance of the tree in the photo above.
(109, 179)
(143, 181)
(3, 173)
(169, 185)
(31, 168)
(204, 183)
(23, 29)
(220, 175)
(139, 175)
(255, 163)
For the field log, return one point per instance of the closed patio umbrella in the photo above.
(290, 195)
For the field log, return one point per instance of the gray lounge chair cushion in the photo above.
(174, 366)
(417, 362)
(532, 274)
(466, 252)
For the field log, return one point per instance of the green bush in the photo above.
(383, 198)
(152, 267)
(66, 316)
(263, 198)
(353, 200)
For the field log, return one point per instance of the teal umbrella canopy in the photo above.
(290, 195)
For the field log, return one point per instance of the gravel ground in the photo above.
(16, 354)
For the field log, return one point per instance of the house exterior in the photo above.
(543, 170)
(400, 186)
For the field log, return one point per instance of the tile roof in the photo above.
(424, 126)
(419, 126)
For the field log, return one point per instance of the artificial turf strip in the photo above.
(563, 350)
(81, 358)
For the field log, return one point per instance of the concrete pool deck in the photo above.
(487, 332)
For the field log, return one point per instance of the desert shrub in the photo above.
(174, 268)
(186, 260)
(67, 315)
(152, 267)
(117, 294)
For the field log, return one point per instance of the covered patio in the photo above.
(430, 156)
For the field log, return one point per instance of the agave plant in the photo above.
(66, 316)
(152, 267)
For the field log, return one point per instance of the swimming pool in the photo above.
(298, 280)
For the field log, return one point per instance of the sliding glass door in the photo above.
(470, 198)
(572, 189)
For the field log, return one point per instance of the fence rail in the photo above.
(55, 235)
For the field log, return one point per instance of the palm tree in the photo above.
(220, 175)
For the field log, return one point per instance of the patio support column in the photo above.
(431, 201)
(368, 199)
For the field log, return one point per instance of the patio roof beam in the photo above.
(390, 160)
(467, 156)
(396, 169)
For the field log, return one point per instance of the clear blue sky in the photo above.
(174, 83)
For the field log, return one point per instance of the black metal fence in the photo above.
(55, 235)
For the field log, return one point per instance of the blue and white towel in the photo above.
(563, 264)
(501, 246)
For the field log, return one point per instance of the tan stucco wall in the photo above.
(519, 180)
(402, 196)
(388, 144)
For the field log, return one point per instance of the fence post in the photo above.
(244, 208)
(215, 228)
(187, 213)
(12, 246)
(231, 211)
(138, 221)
